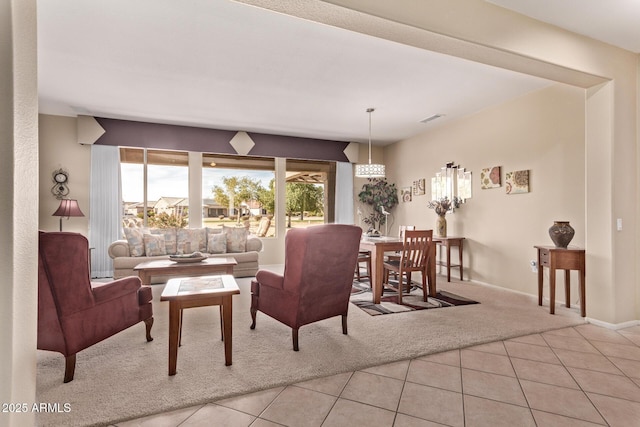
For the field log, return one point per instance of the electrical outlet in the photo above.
(534, 266)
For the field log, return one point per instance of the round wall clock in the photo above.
(60, 178)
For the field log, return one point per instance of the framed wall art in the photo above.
(419, 187)
(490, 177)
(405, 194)
(517, 182)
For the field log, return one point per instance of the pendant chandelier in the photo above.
(370, 170)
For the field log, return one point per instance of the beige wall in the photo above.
(542, 132)
(480, 31)
(59, 149)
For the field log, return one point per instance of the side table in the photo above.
(448, 242)
(188, 292)
(567, 259)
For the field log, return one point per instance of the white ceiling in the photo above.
(220, 64)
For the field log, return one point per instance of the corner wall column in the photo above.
(19, 210)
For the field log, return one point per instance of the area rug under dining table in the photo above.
(125, 377)
(412, 299)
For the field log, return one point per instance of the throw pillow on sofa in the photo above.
(170, 239)
(135, 239)
(236, 238)
(217, 243)
(191, 240)
(154, 244)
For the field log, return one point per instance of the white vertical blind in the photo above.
(105, 207)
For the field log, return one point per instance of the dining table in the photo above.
(378, 246)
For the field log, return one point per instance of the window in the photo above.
(310, 192)
(239, 190)
(236, 190)
(166, 187)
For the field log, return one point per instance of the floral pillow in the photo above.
(154, 244)
(134, 237)
(236, 238)
(191, 240)
(217, 243)
(170, 239)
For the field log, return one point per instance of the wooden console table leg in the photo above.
(552, 290)
(448, 261)
(460, 258)
(567, 288)
(583, 300)
(540, 279)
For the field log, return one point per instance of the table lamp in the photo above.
(68, 208)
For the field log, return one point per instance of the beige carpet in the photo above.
(125, 377)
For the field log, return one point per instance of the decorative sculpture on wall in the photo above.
(60, 178)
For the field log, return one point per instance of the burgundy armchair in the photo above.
(318, 276)
(74, 313)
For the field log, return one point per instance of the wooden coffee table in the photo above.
(188, 292)
(166, 267)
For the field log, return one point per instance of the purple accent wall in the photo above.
(298, 148)
(161, 136)
(187, 138)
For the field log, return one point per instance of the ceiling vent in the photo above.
(431, 118)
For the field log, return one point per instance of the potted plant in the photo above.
(377, 193)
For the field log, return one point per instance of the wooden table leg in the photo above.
(226, 315)
(174, 332)
(376, 274)
(583, 300)
(460, 258)
(431, 268)
(540, 279)
(448, 261)
(567, 288)
(552, 290)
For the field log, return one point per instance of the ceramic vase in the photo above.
(561, 233)
(441, 226)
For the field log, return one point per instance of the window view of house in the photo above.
(167, 188)
(237, 190)
(240, 190)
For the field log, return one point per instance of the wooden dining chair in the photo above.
(416, 250)
(363, 257)
(395, 256)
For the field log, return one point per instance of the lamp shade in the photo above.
(68, 208)
(370, 170)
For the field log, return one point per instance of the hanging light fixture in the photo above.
(370, 170)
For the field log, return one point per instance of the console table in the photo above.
(567, 259)
(448, 242)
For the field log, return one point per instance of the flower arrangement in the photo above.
(443, 205)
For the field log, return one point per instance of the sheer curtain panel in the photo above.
(105, 222)
(344, 193)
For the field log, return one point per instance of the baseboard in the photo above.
(489, 285)
(612, 326)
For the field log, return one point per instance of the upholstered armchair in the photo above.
(74, 313)
(318, 276)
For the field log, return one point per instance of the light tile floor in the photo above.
(580, 376)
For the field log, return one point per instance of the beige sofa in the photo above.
(142, 245)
